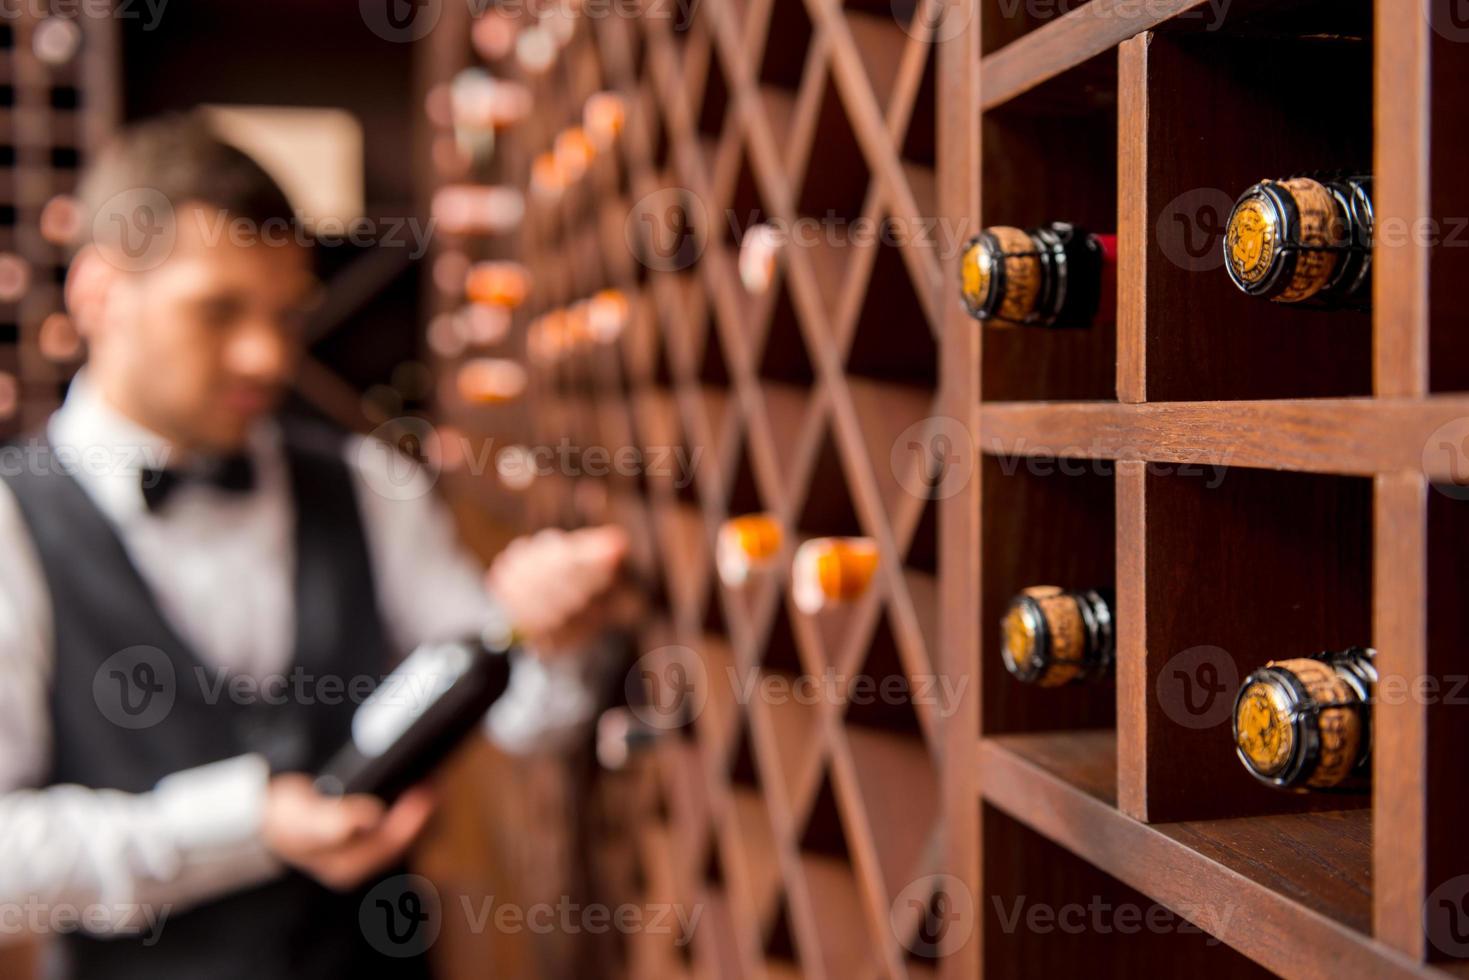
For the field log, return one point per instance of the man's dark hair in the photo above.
(179, 158)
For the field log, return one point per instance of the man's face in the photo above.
(202, 346)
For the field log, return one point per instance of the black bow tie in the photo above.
(235, 474)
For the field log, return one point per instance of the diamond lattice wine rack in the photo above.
(1254, 481)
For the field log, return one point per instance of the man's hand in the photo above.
(554, 583)
(339, 841)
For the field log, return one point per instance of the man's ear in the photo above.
(88, 281)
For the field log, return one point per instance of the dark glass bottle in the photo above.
(1057, 275)
(1304, 240)
(1051, 637)
(418, 715)
(1305, 724)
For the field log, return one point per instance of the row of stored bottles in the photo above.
(1301, 724)
(1304, 240)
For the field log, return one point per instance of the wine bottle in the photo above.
(418, 715)
(1303, 240)
(1305, 724)
(1057, 275)
(746, 544)
(831, 571)
(1051, 637)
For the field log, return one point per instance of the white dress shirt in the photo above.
(222, 568)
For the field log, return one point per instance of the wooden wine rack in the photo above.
(52, 118)
(1256, 481)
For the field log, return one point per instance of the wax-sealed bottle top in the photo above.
(1051, 637)
(1050, 276)
(1305, 722)
(1303, 240)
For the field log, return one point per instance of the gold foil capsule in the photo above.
(829, 571)
(1302, 239)
(745, 544)
(1304, 723)
(504, 284)
(1051, 637)
(1054, 275)
(1002, 275)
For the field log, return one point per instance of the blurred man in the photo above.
(190, 588)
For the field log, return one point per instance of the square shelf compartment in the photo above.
(1046, 910)
(1205, 116)
(1044, 521)
(1238, 567)
(1050, 154)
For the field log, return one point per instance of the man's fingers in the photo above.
(407, 818)
(329, 822)
(371, 852)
